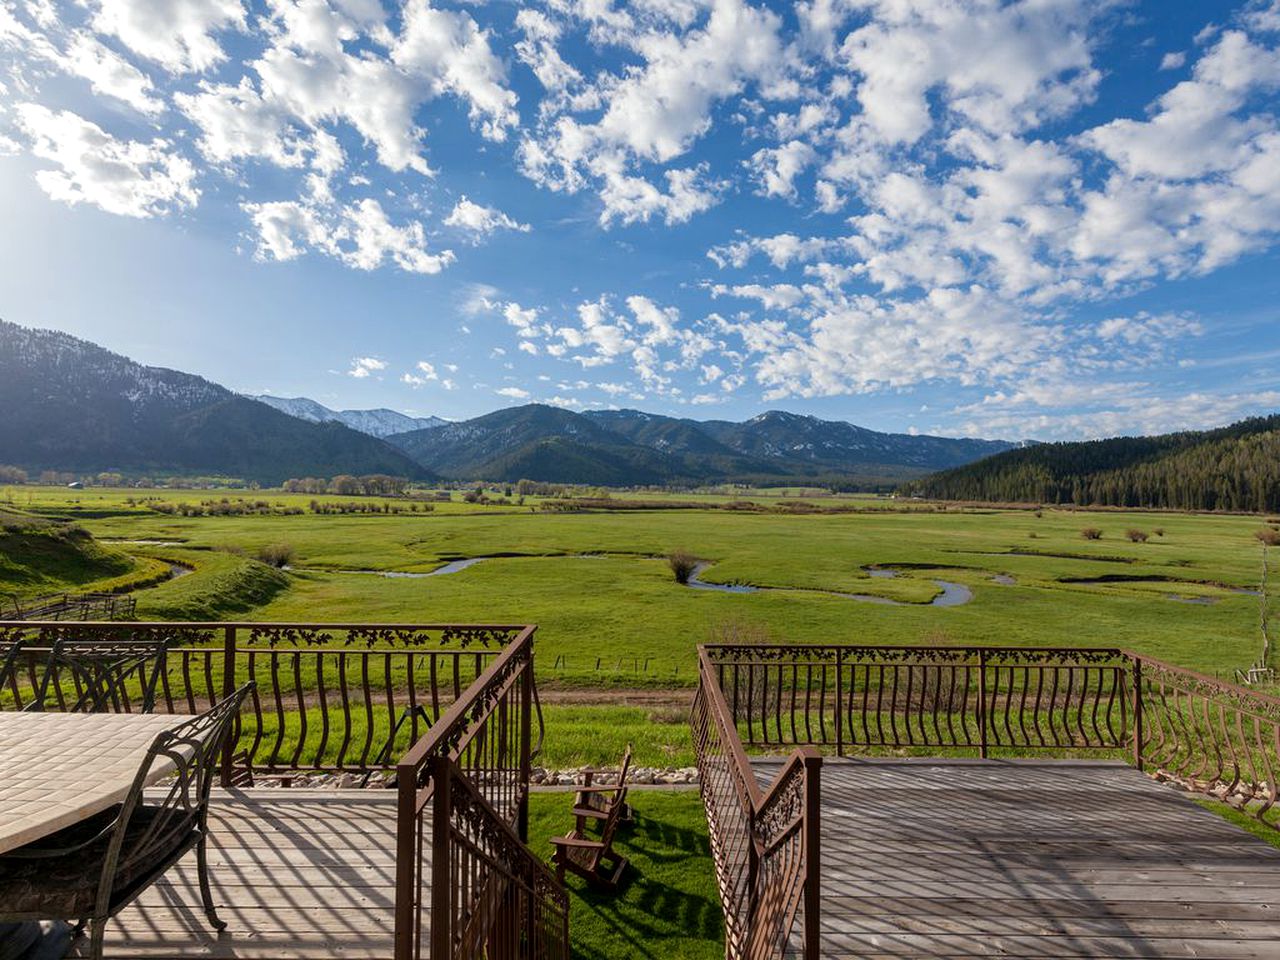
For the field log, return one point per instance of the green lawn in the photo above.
(667, 906)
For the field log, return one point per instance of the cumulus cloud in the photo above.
(481, 220)
(362, 367)
(423, 372)
(179, 35)
(360, 235)
(513, 393)
(127, 177)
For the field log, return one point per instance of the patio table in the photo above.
(57, 769)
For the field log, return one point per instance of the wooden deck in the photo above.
(1034, 859)
(295, 873)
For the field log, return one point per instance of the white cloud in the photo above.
(515, 393)
(1173, 60)
(177, 34)
(447, 50)
(126, 177)
(110, 74)
(481, 220)
(422, 373)
(359, 235)
(362, 367)
(776, 169)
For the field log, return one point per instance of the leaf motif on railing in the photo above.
(47, 634)
(483, 636)
(1247, 701)
(294, 636)
(818, 653)
(782, 807)
(389, 636)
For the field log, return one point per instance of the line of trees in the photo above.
(346, 485)
(1236, 468)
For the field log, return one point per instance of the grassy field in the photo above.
(609, 611)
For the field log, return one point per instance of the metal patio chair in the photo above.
(93, 870)
(93, 675)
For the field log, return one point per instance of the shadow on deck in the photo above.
(295, 874)
(927, 858)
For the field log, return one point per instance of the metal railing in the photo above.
(329, 698)
(466, 883)
(1212, 737)
(765, 844)
(1215, 738)
(457, 701)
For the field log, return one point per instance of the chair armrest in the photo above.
(575, 842)
(591, 812)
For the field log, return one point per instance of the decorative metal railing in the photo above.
(1216, 738)
(764, 843)
(329, 697)
(466, 884)
(922, 699)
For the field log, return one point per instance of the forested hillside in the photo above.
(1231, 468)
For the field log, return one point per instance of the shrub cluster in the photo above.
(1091, 533)
(682, 565)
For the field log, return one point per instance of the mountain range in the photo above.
(625, 447)
(72, 405)
(379, 423)
(1236, 467)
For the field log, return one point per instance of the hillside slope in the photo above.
(1232, 468)
(39, 556)
(71, 405)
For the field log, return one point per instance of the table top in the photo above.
(57, 769)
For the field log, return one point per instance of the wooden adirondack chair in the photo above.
(591, 857)
(592, 803)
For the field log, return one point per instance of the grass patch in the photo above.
(668, 906)
(1242, 820)
(598, 735)
(220, 585)
(41, 556)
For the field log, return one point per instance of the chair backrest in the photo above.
(192, 751)
(9, 667)
(617, 806)
(96, 675)
(626, 767)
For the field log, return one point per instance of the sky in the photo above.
(1047, 219)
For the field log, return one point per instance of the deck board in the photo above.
(1033, 859)
(296, 874)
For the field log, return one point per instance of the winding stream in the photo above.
(952, 595)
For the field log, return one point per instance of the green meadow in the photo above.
(609, 611)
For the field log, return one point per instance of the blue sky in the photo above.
(1047, 218)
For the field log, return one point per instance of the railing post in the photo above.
(407, 866)
(441, 859)
(839, 702)
(812, 856)
(1138, 732)
(982, 703)
(526, 746)
(228, 688)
